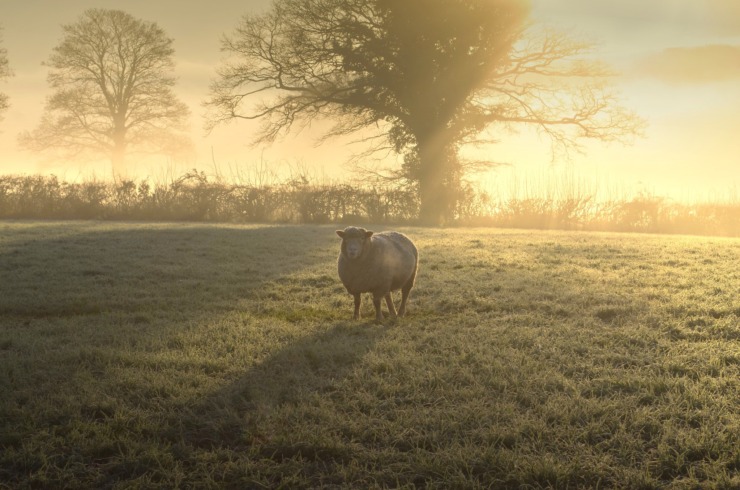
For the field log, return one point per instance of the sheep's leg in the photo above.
(358, 299)
(389, 303)
(405, 290)
(376, 303)
(404, 296)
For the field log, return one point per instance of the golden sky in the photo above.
(679, 64)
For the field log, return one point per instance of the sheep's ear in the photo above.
(341, 234)
(368, 234)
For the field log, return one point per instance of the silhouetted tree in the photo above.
(433, 75)
(112, 80)
(4, 74)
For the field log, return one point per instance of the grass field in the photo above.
(210, 356)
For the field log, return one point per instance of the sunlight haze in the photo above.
(678, 64)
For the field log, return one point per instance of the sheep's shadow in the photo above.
(109, 292)
(81, 269)
(236, 416)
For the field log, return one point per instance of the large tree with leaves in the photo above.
(112, 76)
(433, 75)
(4, 74)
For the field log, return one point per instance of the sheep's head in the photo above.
(354, 241)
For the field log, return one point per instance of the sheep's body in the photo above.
(377, 263)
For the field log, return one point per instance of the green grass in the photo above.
(212, 356)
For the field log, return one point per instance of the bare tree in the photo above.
(4, 74)
(112, 80)
(433, 75)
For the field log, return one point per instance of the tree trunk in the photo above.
(118, 155)
(118, 165)
(431, 199)
(434, 196)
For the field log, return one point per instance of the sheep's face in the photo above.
(354, 241)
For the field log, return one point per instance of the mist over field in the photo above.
(675, 70)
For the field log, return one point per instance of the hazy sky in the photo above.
(679, 62)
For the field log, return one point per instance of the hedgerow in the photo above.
(195, 196)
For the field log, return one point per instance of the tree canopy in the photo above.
(112, 80)
(431, 75)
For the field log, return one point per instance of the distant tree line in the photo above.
(418, 78)
(196, 197)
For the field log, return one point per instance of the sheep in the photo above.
(377, 263)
